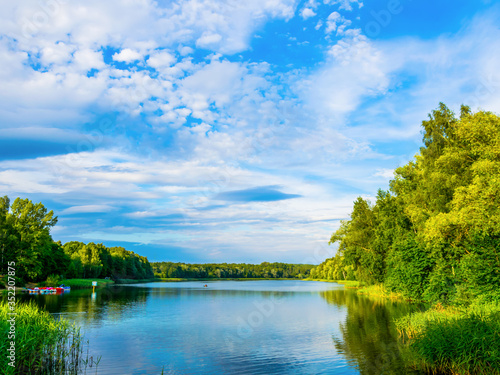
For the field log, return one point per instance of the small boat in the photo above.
(65, 288)
(49, 290)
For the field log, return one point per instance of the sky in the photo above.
(227, 131)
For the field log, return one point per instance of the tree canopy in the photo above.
(435, 235)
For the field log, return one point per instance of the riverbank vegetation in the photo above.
(264, 270)
(435, 237)
(42, 344)
(453, 339)
(82, 283)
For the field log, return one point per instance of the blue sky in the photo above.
(214, 131)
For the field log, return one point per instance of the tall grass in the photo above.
(379, 290)
(43, 345)
(454, 341)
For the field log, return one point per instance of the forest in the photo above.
(231, 270)
(25, 239)
(435, 234)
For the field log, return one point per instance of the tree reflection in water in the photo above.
(369, 339)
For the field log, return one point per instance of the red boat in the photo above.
(46, 290)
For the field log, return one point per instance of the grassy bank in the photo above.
(379, 290)
(346, 283)
(447, 339)
(453, 340)
(42, 344)
(86, 283)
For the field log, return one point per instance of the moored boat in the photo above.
(49, 290)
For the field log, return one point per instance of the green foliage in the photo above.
(43, 345)
(479, 271)
(25, 238)
(455, 341)
(53, 280)
(356, 243)
(408, 268)
(436, 235)
(264, 270)
(96, 260)
(86, 283)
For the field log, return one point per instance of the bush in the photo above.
(53, 280)
(408, 267)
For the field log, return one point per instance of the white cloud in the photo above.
(385, 173)
(336, 22)
(86, 59)
(67, 45)
(127, 55)
(161, 59)
(208, 40)
(59, 53)
(87, 209)
(184, 51)
(307, 13)
(345, 4)
(356, 69)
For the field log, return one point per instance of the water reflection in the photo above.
(368, 338)
(83, 306)
(258, 327)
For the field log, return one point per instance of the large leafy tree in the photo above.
(436, 234)
(26, 236)
(356, 241)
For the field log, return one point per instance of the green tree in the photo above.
(436, 234)
(28, 237)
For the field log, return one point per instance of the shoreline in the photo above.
(473, 330)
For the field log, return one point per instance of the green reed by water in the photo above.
(454, 341)
(43, 345)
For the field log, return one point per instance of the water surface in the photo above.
(234, 327)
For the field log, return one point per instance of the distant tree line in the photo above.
(435, 235)
(25, 239)
(231, 270)
(96, 260)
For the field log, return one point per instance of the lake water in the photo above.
(234, 327)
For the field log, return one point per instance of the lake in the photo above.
(234, 327)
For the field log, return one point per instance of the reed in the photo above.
(454, 341)
(43, 345)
